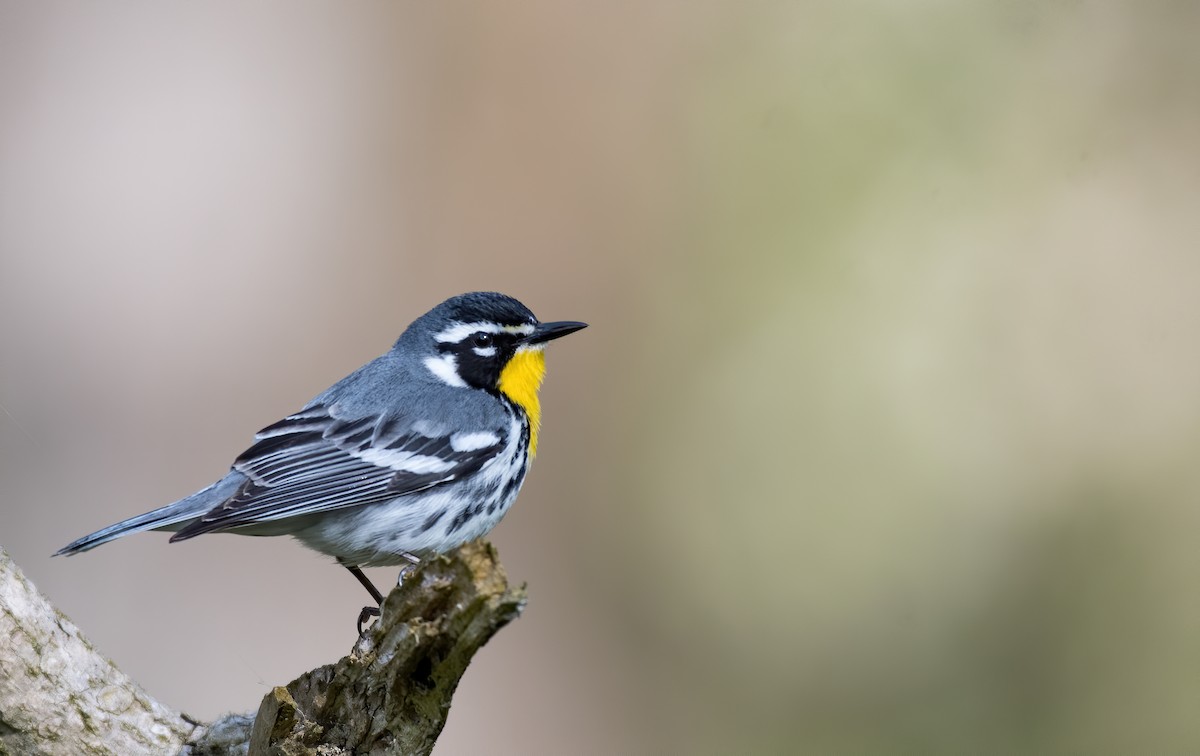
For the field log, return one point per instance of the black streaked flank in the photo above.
(459, 520)
(510, 487)
(432, 520)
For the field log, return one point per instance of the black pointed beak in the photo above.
(544, 332)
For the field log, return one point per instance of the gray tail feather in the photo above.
(163, 518)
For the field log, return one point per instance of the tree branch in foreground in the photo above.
(391, 695)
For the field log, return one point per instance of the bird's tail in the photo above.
(171, 517)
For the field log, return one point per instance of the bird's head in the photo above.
(488, 341)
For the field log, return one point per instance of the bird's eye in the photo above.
(483, 340)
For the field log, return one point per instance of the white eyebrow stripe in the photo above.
(456, 332)
(446, 368)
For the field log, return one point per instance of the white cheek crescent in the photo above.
(446, 368)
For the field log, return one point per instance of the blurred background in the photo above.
(884, 436)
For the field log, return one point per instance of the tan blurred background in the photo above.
(884, 437)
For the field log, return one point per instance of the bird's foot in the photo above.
(408, 568)
(405, 572)
(366, 614)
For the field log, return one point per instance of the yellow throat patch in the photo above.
(519, 381)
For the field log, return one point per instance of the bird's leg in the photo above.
(367, 611)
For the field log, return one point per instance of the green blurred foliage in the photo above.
(916, 466)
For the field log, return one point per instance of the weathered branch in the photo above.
(391, 695)
(58, 696)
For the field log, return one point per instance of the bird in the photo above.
(417, 452)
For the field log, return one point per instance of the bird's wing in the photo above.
(314, 462)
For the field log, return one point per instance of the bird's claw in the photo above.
(367, 613)
(405, 571)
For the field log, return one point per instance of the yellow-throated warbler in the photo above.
(414, 453)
